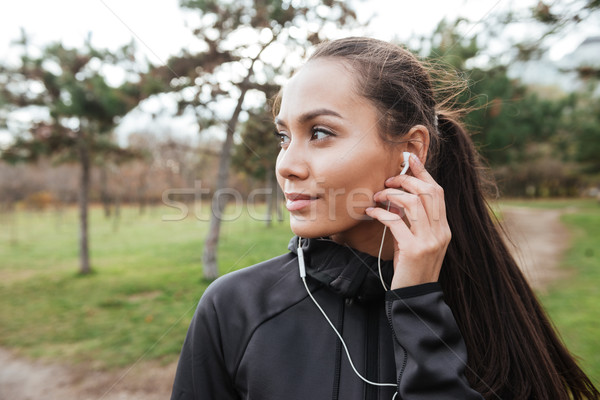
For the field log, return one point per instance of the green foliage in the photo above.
(256, 154)
(256, 25)
(585, 121)
(538, 142)
(70, 83)
(451, 48)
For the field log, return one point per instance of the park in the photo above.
(131, 180)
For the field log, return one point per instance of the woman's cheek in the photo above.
(357, 200)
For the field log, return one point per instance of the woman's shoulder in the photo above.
(240, 301)
(261, 280)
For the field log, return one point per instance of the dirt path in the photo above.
(539, 233)
(541, 240)
(24, 379)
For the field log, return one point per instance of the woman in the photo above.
(410, 269)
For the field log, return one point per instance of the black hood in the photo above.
(344, 270)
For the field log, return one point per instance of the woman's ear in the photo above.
(418, 142)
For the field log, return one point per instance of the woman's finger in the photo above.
(394, 222)
(418, 170)
(432, 197)
(431, 194)
(410, 203)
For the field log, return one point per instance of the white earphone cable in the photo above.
(406, 156)
(343, 343)
(379, 256)
(302, 269)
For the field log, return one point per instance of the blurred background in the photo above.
(137, 158)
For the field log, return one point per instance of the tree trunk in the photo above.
(59, 213)
(13, 220)
(209, 258)
(278, 202)
(141, 192)
(84, 160)
(104, 197)
(117, 216)
(272, 197)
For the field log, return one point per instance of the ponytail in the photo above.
(514, 352)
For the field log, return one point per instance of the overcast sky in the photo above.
(159, 28)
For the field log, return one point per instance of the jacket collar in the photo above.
(342, 269)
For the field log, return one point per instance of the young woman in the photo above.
(396, 285)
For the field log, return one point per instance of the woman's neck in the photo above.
(366, 237)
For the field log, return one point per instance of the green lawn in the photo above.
(148, 278)
(574, 303)
(138, 302)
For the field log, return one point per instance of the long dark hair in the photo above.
(514, 351)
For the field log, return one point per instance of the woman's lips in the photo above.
(297, 201)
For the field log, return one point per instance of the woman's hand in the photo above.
(421, 232)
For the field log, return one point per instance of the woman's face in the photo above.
(332, 159)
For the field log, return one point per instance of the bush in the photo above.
(546, 177)
(39, 200)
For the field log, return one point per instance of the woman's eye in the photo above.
(320, 133)
(283, 138)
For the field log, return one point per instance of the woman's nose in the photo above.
(292, 163)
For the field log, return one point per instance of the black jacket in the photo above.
(256, 334)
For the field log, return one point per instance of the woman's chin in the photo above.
(310, 230)
(307, 233)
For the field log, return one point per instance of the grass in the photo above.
(138, 302)
(148, 278)
(574, 304)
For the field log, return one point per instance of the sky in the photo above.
(159, 28)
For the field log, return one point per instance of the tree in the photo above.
(82, 108)
(585, 118)
(527, 134)
(246, 45)
(256, 155)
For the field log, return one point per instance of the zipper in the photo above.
(372, 350)
(338, 352)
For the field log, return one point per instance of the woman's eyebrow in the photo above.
(309, 115)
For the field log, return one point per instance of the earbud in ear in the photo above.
(406, 156)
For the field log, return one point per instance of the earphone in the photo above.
(406, 157)
(302, 270)
(405, 165)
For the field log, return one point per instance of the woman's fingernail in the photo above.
(375, 194)
(389, 180)
(415, 159)
(368, 209)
